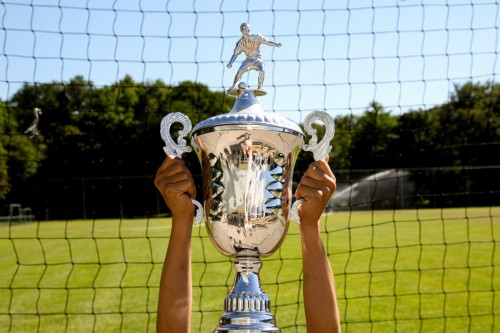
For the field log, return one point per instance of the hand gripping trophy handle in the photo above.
(177, 149)
(320, 150)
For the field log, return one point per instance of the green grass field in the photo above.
(396, 271)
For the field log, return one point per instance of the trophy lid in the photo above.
(248, 113)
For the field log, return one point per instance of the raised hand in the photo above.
(315, 189)
(175, 183)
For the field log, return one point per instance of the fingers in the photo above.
(169, 162)
(312, 192)
(323, 166)
(171, 166)
(320, 170)
(174, 176)
(313, 188)
(318, 181)
(181, 187)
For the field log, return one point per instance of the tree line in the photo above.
(98, 147)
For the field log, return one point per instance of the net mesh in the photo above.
(411, 232)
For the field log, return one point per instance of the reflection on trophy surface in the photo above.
(244, 195)
(247, 159)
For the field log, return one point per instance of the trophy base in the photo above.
(246, 330)
(247, 306)
(249, 323)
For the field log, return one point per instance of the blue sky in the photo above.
(336, 56)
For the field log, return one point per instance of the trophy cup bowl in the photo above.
(247, 158)
(247, 177)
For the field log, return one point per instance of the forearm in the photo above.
(271, 43)
(175, 299)
(321, 308)
(233, 58)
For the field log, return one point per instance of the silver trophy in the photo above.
(247, 158)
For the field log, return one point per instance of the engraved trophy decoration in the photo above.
(247, 159)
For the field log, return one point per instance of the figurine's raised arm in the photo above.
(271, 43)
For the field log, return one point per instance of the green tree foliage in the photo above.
(4, 139)
(87, 131)
(373, 137)
(462, 132)
(470, 125)
(92, 131)
(19, 155)
(342, 142)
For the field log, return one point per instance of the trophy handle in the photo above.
(320, 150)
(177, 149)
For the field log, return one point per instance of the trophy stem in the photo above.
(247, 306)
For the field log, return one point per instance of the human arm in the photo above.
(320, 300)
(175, 183)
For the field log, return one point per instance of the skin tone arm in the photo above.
(175, 183)
(320, 300)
